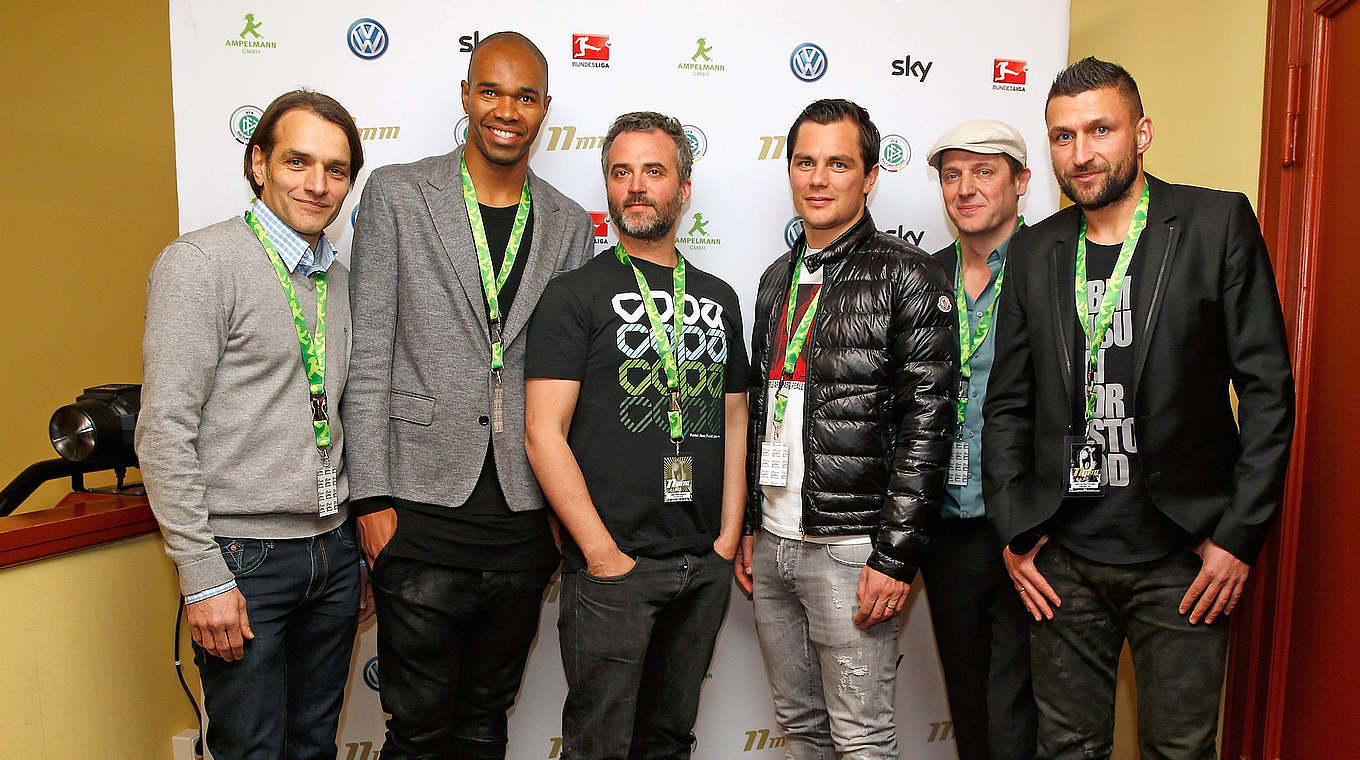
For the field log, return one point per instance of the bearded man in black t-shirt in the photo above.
(1128, 498)
(636, 420)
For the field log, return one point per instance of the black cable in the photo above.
(179, 671)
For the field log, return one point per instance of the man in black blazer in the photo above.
(1173, 286)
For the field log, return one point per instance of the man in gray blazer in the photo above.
(450, 256)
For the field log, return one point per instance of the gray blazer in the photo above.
(417, 405)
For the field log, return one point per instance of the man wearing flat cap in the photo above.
(980, 624)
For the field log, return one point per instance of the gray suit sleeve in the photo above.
(373, 306)
(186, 333)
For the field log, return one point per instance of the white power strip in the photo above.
(182, 745)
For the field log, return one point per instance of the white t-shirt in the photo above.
(783, 511)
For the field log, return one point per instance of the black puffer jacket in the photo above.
(881, 358)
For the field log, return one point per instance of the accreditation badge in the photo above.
(774, 463)
(958, 464)
(1084, 463)
(677, 478)
(327, 491)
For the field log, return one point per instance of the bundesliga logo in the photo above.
(1008, 74)
(600, 220)
(590, 50)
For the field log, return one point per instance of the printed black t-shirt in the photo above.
(591, 326)
(1122, 526)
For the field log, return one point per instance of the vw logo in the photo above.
(367, 39)
(371, 673)
(354, 216)
(808, 62)
(793, 230)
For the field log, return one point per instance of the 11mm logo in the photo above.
(760, 740)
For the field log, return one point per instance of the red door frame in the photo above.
(1292, 122)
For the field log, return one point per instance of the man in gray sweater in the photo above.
(247, 338)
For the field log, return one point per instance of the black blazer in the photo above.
(1206, 313)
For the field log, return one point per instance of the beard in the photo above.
(661, 223)
(1118, 179)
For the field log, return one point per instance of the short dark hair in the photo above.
(514, 38)
(651, 121)
(830, 111)
(1091, 73)
(324, 106)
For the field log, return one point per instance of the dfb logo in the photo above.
(894, 152)
(367, 39)
(906, 67)
(460, 130)
(793, 230)
(808, 62)
(1008, 71)
(698, 141)
(601, 221)
(590, 47)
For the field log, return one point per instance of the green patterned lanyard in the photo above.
(969, 346)
(313, 350)
(492, 282)
(1096, 327)
(794, 339)
(664, 347)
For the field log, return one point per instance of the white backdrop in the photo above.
(736, 73)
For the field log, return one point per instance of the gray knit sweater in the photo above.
(225, 436)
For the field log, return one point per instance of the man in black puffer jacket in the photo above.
(851, 422)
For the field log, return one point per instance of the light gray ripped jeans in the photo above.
(832, 682)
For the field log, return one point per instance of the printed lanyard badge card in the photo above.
(1085, 454)
(493, 281)
(957, 474)
(774, 454)
(313, 349)
(677, 472)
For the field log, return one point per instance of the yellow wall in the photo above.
(88, 202)
(91, 199)
(1200, 68)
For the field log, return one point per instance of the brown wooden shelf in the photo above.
(80, 520)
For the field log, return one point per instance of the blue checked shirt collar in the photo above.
(296, 254)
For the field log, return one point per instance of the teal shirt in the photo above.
(966, 501)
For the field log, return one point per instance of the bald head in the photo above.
(512, 43)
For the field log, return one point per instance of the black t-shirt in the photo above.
(1122, 526)
(483, 533)
(591, 326)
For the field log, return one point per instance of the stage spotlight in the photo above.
(99, 426)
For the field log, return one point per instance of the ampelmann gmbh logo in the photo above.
(793, 230)
(698, 141)
(698, 237)
(590, 50)
(808, 62)
(1009, 74)
(367, 39)
(243, 121)
(906, 67)
(894, 152)
(250, 41)
(701, 63)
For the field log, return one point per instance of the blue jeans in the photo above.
(636, 648)
(282, 699)
(832, 681)
(1178, 667)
